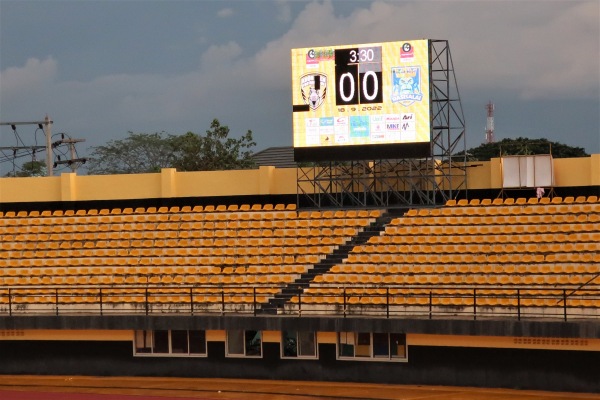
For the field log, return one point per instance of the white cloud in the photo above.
(538, 49)
(225, 13)
(20, 80)
(220, 56)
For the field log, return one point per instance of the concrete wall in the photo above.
(569, 172)
(572, 371)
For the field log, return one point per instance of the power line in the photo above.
(68, 157)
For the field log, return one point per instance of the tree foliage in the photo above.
(524, 146)
(213, 151)
(30, 168)
(137, 153)
(149, 152)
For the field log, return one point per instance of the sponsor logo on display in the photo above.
(312, 122)
(341, 125)
(314, 89)
(407, 52)
(341, 138)
(313, 57)
(406, 85)
(326, 121)
(326, 125)
(359, 126)
(392, 123)
(312, 128)
(377, 123)
(408, 126)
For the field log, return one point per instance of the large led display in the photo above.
(362, 101)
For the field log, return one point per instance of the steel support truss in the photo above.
(401, 182)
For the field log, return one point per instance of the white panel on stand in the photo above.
(544, 171)
(510, 172)
(527, 171)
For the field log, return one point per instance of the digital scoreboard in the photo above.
(368, 101)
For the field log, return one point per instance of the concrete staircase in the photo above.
(336, 257)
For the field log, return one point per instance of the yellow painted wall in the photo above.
(51, 334)
(169, 183)
(503, 342)
(583, 171)
(478, 175)
(577, 344)
(14, 190)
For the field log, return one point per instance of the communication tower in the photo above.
(489, 128)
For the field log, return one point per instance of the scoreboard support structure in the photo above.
(405, 181)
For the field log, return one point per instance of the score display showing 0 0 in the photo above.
(358, 76)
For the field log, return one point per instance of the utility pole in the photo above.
(46, 126)
(48, 132)
(73, 161)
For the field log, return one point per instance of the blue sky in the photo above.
(103, 68)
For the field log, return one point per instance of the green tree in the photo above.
(30, 168)
(149, 152)
(213, 151)
(523, 146)
(137, 153)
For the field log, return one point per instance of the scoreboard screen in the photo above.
(366, 101)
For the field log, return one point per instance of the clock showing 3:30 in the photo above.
(358, 76)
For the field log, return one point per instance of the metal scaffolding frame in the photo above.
(401, 182)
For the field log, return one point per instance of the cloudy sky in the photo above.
(103, 68)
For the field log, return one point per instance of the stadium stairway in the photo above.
(293, 289)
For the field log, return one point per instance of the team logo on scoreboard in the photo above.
(314, 89)
(406, 85)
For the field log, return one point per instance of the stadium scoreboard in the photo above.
(366, 101)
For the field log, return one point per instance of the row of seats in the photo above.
(523, 201)
(97, 296)
(61, 234)
(439, 259)
(524, 219)
(474, 245)
(263, 259)
(187, 214)
(123, 248)
(152, 210)
(58, 226)
(436, 296)
(445, 231)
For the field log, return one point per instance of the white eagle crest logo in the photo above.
(313, 88)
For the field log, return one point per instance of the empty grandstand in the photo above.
(174, 274)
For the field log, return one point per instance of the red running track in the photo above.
(17, 395)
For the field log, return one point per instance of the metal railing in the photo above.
(430, 302)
